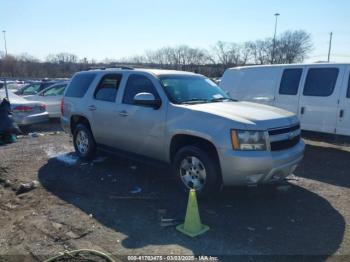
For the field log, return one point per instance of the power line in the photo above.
(333, 55)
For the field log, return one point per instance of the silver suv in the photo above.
(182, 119)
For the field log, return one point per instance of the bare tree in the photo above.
(231, 54)
(292, 47)
(9, 66)
(260, 51)
(62, 58)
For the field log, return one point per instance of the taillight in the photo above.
(22, 109)
(62, 106)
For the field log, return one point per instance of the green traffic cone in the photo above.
(192, 226)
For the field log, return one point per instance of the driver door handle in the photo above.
(92, 108)
(123, 113)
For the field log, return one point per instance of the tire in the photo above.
(84, 142)
(185, 164)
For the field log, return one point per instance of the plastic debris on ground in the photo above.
(133, 167)
(284, 188)
(99, 159)
(67, 158)
(26, 187)
(136, 190)
(33, 134)
(292, 177)
(167, 222)
(251, 228)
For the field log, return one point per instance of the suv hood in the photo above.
(250, 114)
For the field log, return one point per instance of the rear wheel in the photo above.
(196, 169)
(84, 142)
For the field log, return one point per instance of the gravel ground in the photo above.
(115, 206)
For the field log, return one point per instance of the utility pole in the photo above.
(274, 40)
(4, 32)
(330, 46)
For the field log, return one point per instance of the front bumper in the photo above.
(23, 120)
(257, 167)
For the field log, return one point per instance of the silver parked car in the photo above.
(182, 119)
(51, 97)
(26, 112)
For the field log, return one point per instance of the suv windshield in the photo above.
(192, 89)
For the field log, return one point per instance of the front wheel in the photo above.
(195, 169)
(84, 142)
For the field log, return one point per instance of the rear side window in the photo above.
(348, 94)
(320, 81)
(138, 84)
(107, 88)
(46, 85)
(80, 84)
(56, 90)
(290, 81)
(31, 89)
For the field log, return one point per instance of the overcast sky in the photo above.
(116, 28)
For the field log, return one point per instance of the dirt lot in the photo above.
(97, 205)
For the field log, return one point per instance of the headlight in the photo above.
(248, 140)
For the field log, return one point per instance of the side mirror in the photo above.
(147, 99)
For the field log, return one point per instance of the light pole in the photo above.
(330, 46)
(274, 39)
(4, 32)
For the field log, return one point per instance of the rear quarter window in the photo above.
(257, 82)
(80, 84)
(320, 81)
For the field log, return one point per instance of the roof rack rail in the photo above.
(106, 68)
(126, 67)
(96, 68)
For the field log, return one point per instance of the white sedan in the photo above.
(25, 112)
(52, 97)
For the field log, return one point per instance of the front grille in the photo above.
(284, 138)
(284, 130)
(284, 144)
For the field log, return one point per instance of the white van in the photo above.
(318, 93)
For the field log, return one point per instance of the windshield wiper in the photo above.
(221, 99)
(195, 100)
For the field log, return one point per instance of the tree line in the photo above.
(289, 47)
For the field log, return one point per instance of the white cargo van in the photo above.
(318, 93)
